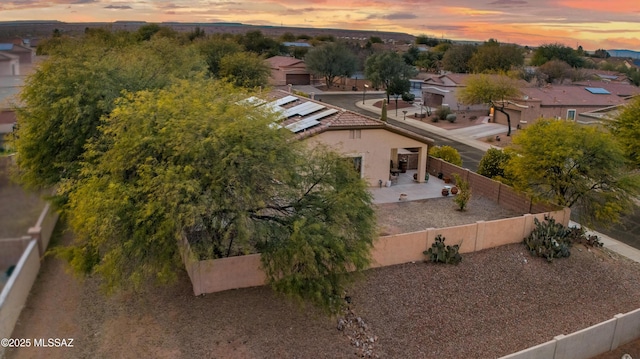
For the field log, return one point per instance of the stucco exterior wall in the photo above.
(374, 146)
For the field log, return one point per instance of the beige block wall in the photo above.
(11, 250)
(398, 249)
(15, 293)
(240, 272)
(375, 148)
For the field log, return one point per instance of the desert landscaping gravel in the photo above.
(497, 301)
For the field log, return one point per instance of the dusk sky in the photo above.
(593, 24)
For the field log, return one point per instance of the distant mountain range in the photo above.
(624, 53)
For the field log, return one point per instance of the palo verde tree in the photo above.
(331, 60)
(447, 154)
(493, 90)
(388, 69)
(574, 166)
(191, 160)
(625, 127)
(77, 85)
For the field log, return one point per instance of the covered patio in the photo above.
(407, 185)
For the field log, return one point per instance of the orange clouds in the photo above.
(624, 7)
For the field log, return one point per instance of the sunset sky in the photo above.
(593, 24)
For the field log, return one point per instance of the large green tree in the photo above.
(244, 69)
(494, 163)
(548, 52)
(65, 98)
(495, 57)
(493, 90)
(388, 69)
(456, 58)
(625, 127)
(331, 60)
(214, 49)
(575, 166)
(191, 160)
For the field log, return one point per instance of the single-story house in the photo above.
(567, 102)
(25, 54)
(288, 71)
(374, 145)
(442, 90)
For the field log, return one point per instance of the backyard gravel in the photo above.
(496, 302)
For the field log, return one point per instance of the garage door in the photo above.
(299, 79)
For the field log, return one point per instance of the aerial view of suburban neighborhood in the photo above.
(313, 179)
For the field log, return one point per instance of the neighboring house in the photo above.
(373, 145)
(288, 71)
(10, 86)
(9, 65)
(26, 54)
(577, 102)
(441, 90)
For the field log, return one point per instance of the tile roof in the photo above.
(282, 61)
(579, 96)
(341, 120)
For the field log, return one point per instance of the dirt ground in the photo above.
(495, 302)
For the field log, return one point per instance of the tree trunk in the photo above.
(501, 109)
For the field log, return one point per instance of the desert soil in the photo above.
(496, 302)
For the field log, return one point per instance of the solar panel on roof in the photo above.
(322, 114)
(311, 109)
(302, 125)
(285, 100)
(597, 90)
(295, 109)
(6, 47)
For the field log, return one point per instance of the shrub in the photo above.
(451, 117)
(442, 112)
(549, 240)
(464, 192)
(440, 253)
(446, 153)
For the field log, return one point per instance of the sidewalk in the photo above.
(612, 244)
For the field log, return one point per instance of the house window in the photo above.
(571, 115)
(357, 164)
(355, 134)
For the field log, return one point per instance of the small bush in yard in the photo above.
(553, 240)
(442, 112)
(441, 253)
(464, 192)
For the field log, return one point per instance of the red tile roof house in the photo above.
(568, 102)
(371, 143)
(288, 71)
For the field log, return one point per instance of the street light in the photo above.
(405, 114)
(364, 91)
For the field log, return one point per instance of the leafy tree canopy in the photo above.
(244, 70)
(495, 57)
(189, 160)
(388, 68)
(580, 167)
(626, 128)
(214, 49)
(446, 153)
(556, 71)
(331, 60)
(456, 58)
(77, 85)
(560, 52)
(493, 164)
(494, 90)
